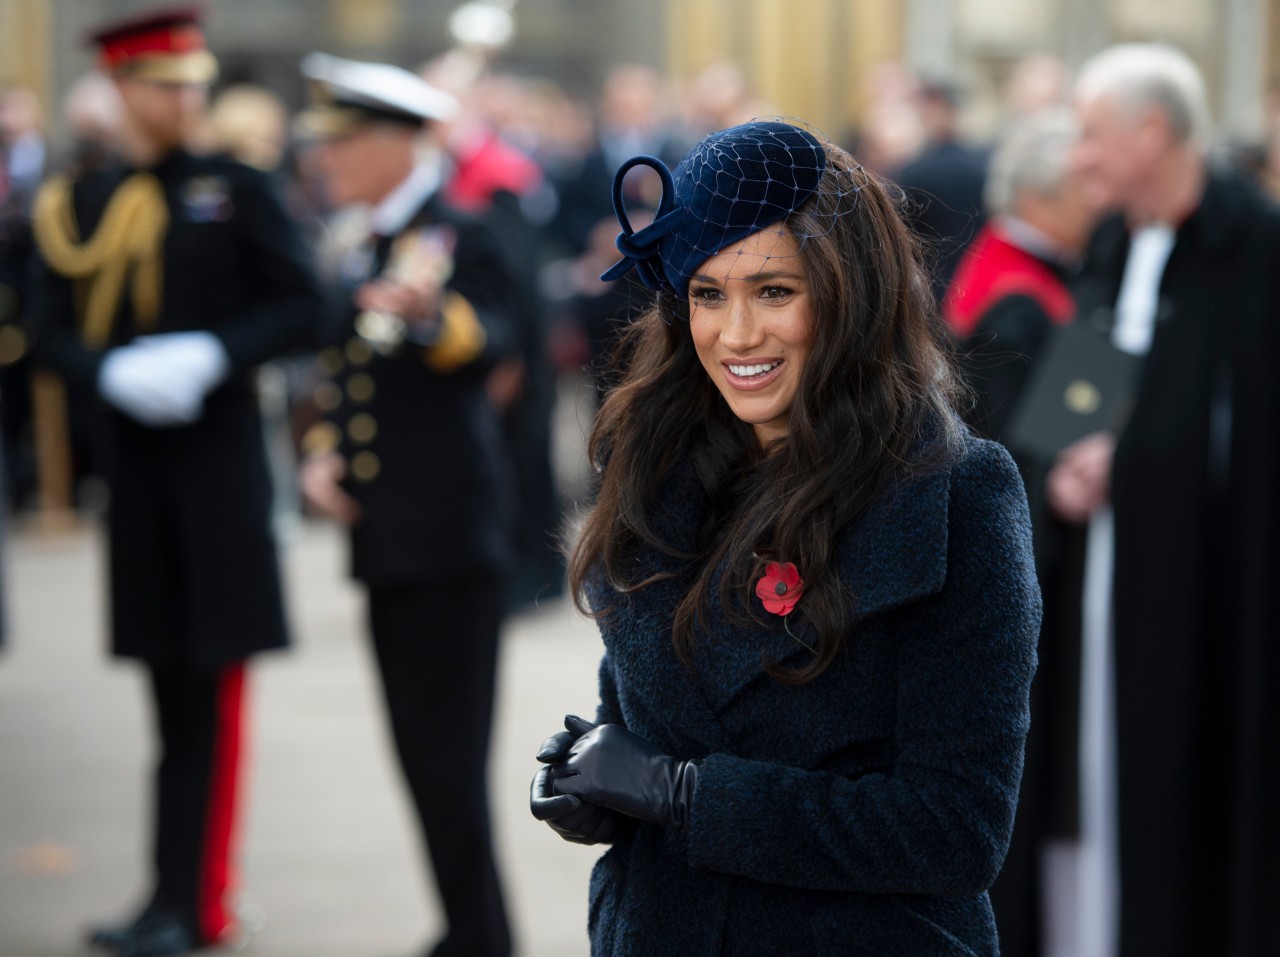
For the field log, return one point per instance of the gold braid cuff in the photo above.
(129, 239)
(462, 337)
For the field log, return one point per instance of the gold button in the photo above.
(13, 344)
(365, 466)
(358, 351)
(362, 428)
(360, 387)
(321, 438)
(1082, 397)
(328, 396)
(330, 360)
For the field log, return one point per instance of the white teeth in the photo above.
(753, 370)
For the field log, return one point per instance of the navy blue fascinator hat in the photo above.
(732, 184)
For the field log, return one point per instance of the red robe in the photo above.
(994, 269)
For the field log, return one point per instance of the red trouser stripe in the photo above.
(217, 872)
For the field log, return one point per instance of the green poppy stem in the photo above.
(787, 625)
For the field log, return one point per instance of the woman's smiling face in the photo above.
(751, 319)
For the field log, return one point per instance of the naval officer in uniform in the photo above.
(409, 454)
(163, 282)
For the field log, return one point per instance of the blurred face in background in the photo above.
(249, 123)
(1118, 149)
(19, 114)
(365, 165)
(1066, 214)
(632, 98)
(165, 115)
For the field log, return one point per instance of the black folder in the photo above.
(1079, 384)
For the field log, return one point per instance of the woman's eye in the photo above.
(705, 295)
(775, 292)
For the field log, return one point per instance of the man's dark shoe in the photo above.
(152, 934)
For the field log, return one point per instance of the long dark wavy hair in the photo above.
(874, 407)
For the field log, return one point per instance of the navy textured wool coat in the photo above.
(867, 811)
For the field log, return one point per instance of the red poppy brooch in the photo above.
(779, 588)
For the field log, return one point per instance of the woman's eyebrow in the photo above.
(774, 275)
(758, 277)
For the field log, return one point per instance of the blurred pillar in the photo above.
(1272, 14)
(24, 44)
(699, 32)
(876, 35)
(25, 57)
(1086, 29)
(931, 37)
(793, 54)
(55, 490)
(365, 23)
(1244, 45)
(809, 58)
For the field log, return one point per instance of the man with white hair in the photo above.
(1010, 287)
(1181, 723)
(1009, 296)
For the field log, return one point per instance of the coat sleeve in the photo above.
(287, 310)
(937, 822)
(610, 711)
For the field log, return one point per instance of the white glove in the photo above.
(162, 380)
(199, 356)
(151, 391)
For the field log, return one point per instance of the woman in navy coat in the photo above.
(815, 589)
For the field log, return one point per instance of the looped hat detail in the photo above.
(640, 249)
(731, 184)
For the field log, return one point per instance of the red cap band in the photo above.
(175, 40)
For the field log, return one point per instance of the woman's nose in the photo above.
(741, 331)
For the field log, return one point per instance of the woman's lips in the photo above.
(749, 383)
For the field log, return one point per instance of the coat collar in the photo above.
(1214, 226)
(897, 552)
(894, 554)
(402, 204)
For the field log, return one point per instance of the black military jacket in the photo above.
(427, 459)
(192, 558)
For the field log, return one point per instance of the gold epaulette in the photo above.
(129, 239)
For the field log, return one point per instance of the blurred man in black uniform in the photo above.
(410, 455)
(22, 157)
(162, 284)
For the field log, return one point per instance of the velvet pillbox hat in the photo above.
(731, 184)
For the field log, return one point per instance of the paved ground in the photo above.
(331, 859)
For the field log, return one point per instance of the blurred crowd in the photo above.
(547, 156)
(1006, 225)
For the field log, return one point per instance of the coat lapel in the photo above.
(895, 554)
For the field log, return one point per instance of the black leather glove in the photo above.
(614, 768)
(573, 819)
